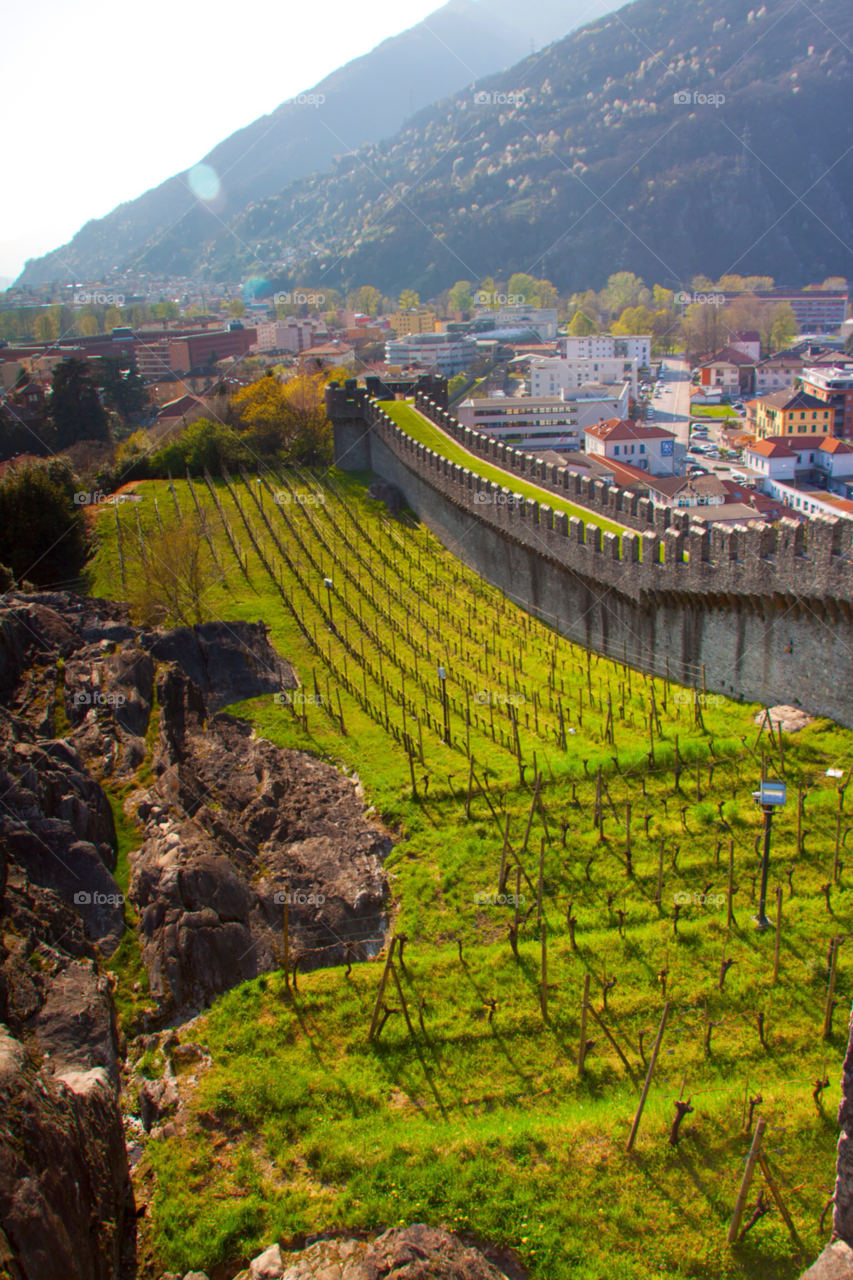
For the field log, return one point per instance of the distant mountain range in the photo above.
(364, 101)
(669, 140)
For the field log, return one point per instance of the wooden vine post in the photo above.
(752, 1160)
(652, 1063)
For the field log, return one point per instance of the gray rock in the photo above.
(835, 1263)
(414, 1253)
(268, 1265)
(158, 1099)
(227, 661)
(261, 823)
(65, 1195)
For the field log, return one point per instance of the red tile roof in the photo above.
(624, 429)
(772, 447)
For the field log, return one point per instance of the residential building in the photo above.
(439, 352)
(329, 353)
(607, 346)
(731, 371)
(834, 386)
(543, 422)
(648, 448)
(414, 321)
(791, 413)
(548, 376)
(687, 491)
(290, 334)
(749, 342)
(542, 320)
(777, 372)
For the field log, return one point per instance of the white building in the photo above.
(649, 448)
(533, 423)
(542, 319)
(777, 373)
(550, 375)
(289, 335)
(440, 352)
(607, 346)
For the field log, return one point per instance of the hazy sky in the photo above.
(104, 99)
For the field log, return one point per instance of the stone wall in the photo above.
(767, 612)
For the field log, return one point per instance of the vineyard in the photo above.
(575, 878)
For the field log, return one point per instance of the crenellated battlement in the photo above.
(756, 565)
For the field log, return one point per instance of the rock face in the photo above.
(65, 1197)
(415, 1253)
(238, 831)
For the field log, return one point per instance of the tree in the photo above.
(124, 391)
(523, 287)
(365, 299)
(170, 573)
(408, 300)
(780, 327)
(703, 331)
(202, 445)
(88, 326)
(46, 328)
(460, 297)
(258, 413)
(75, 407)
(236, 308)
(581, 326)
(663, 298)
(622, 290)
(634, 320)
(165, 310)
(42, 536)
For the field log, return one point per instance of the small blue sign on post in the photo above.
(775, 793)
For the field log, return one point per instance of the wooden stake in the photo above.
(777, 1196)
(543, 988)
(381, 992)
(541, 882)
(635, 1126)
(730, 920)
(584, 1008)
(659, 894)
(752, 1160)
(827, 1017)
(287, 942)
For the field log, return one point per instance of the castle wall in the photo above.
(767, 612)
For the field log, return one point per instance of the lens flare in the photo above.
(203, 182)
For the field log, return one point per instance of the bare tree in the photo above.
(170, 572)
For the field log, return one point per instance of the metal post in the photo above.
(761, 919)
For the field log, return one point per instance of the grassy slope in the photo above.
(426, 432)
(300, 1126)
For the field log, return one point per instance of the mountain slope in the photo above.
(365, 100)
(599, 168)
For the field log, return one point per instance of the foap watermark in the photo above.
(82, 898)
(284, 498)
(99, 498)
(699, 299)
(284, 298)
(305, 100)
(298, 899)
(487, 299)
(684, 899)
(95, 698)
(98, 299)
(498, 499)
(684, 98)
(295, 698)
(684, 697)
(514, 98)
(499, 699)
(499, 899)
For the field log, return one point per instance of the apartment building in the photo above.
(788, 413)
(548, 376)
(648, 448)
(608, 346)
(546, 421)
(834, 387)
(438, 352)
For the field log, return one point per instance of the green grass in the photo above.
(301, 1126)
(713, 411)
(424, 431)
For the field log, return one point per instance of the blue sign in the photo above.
(666, 448)
(772, 793)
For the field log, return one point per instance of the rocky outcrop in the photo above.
(418, 1252)
(66, 1204)
(57, 827)
(226, 661)
(237, 832)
